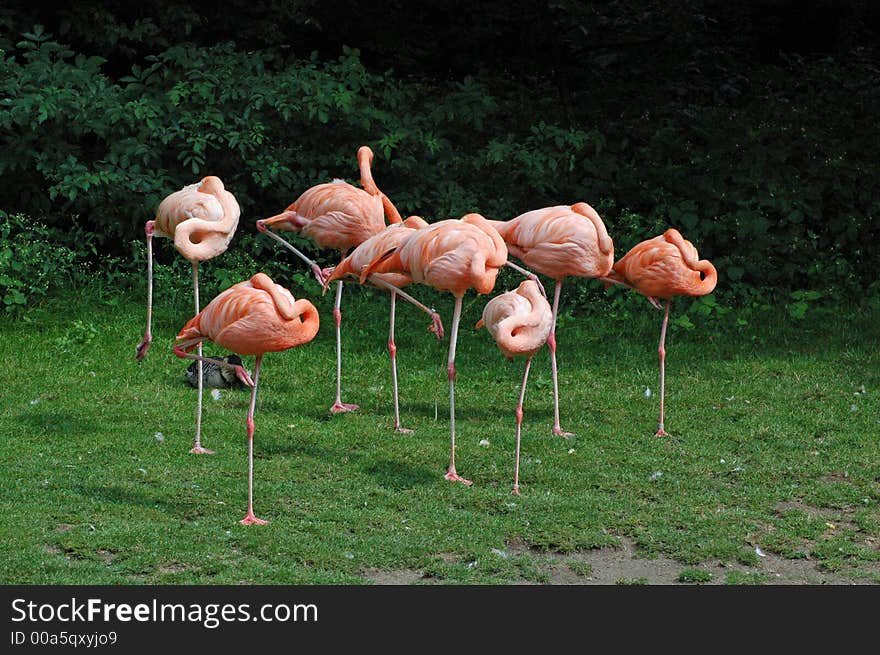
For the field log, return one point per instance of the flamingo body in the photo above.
(201, 219)
(560, 241)
(665, 266)
(519, 320)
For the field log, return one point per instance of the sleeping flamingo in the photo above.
(520, 322)
(251, 318)
(340, 216)
(378, 244)
(560, 242)
(451, 255)
(201, 218)
(663, 267)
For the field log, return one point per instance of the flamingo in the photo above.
(388, 239)
(251, 318)
(560, 242)
(201, 218)
(451, 255)
(660, 268)
(520, 322)
(340, 216)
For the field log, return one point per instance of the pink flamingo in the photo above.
(560, 242)
(450, 255)
(251, 318)
(201, 218)
(663, 267)
(520, 322)
(340, 216)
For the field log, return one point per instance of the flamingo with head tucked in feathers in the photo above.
(201, 218)
(251, 318)
(451, 255)
(520, 322)
(560, 242)
(340, 216)
(660, 268)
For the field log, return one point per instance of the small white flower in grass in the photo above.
(759, 552)
(656, 475)
(647, 393)
(472, 564)
(721, 461)
(159, 437)
(484, 443)
(91, 374)
(853, 408)
(215, 394)
(35, 401)
(349, 556)
(571, 451)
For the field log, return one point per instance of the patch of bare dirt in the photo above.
(393, 577)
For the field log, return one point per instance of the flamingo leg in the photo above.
(551, 343)
(451, 474)
(531, 276)
(249, 518)
(197, 446)
(316, 270)
(144, 345)
(662, 352)
(392, 351)
(436, 328)
(519, 418)
(339, 406)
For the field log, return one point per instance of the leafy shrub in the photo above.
(32, 262)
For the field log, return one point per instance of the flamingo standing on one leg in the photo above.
(340, 216)
(378, 244)
(663, 267)
(562, 241)
(520, 322)
(201, 218)
(251, 318)
(452, 255)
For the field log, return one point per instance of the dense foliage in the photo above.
(758, 139)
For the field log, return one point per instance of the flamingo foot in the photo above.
(655, 302)
(559, 432)
(340, 408)
(198, 450)
(143, 347)
(515, 490)
(250, 519)
(437, 327)
(452, 476)
(401, 430)
(661, 433)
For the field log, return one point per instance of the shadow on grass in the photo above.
(117, 495)
(397, 476)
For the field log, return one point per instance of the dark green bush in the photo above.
(771, 171)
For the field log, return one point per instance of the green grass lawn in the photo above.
(775, 448)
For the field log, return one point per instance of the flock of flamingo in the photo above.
(258, 316)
